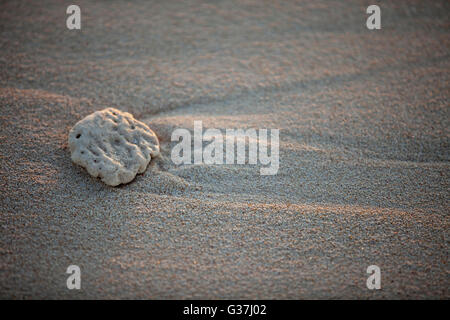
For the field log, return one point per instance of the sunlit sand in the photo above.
(363, 175)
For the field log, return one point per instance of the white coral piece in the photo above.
(112, 145)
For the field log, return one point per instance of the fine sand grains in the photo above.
(364, 170)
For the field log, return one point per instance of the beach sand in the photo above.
(364, 150)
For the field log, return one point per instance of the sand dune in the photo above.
(364, 150)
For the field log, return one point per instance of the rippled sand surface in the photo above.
(364, 150)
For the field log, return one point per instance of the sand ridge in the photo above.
(364, 150)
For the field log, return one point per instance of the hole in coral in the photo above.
(78, 136)
(82, 152)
